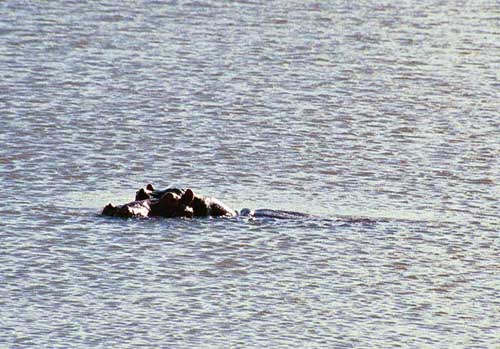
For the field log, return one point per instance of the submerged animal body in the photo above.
(174, 202)
(277, 214)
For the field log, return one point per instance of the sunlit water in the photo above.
(347, 110)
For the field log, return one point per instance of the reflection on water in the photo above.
(381, 111)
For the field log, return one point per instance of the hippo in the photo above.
(174, 202)
(202, 205)
(169, 205)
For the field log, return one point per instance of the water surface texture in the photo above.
(347, 110)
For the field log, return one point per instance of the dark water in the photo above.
(341, 109)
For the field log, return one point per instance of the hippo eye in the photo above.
(171, 197)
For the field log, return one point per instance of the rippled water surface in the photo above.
(347, 110)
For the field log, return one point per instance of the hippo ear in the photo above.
(141, 194)
(188, 197)
(150, 187)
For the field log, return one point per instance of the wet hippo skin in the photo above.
(174, 202)
(168, 205)
(203, 206)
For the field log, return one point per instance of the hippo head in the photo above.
(145, 193)
(150, 192)
(132, 209)
(109, 210)
(174, 205)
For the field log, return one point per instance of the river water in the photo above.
(346, 110)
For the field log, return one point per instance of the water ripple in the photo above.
(382, 119)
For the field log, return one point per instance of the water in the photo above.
(344, 110)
